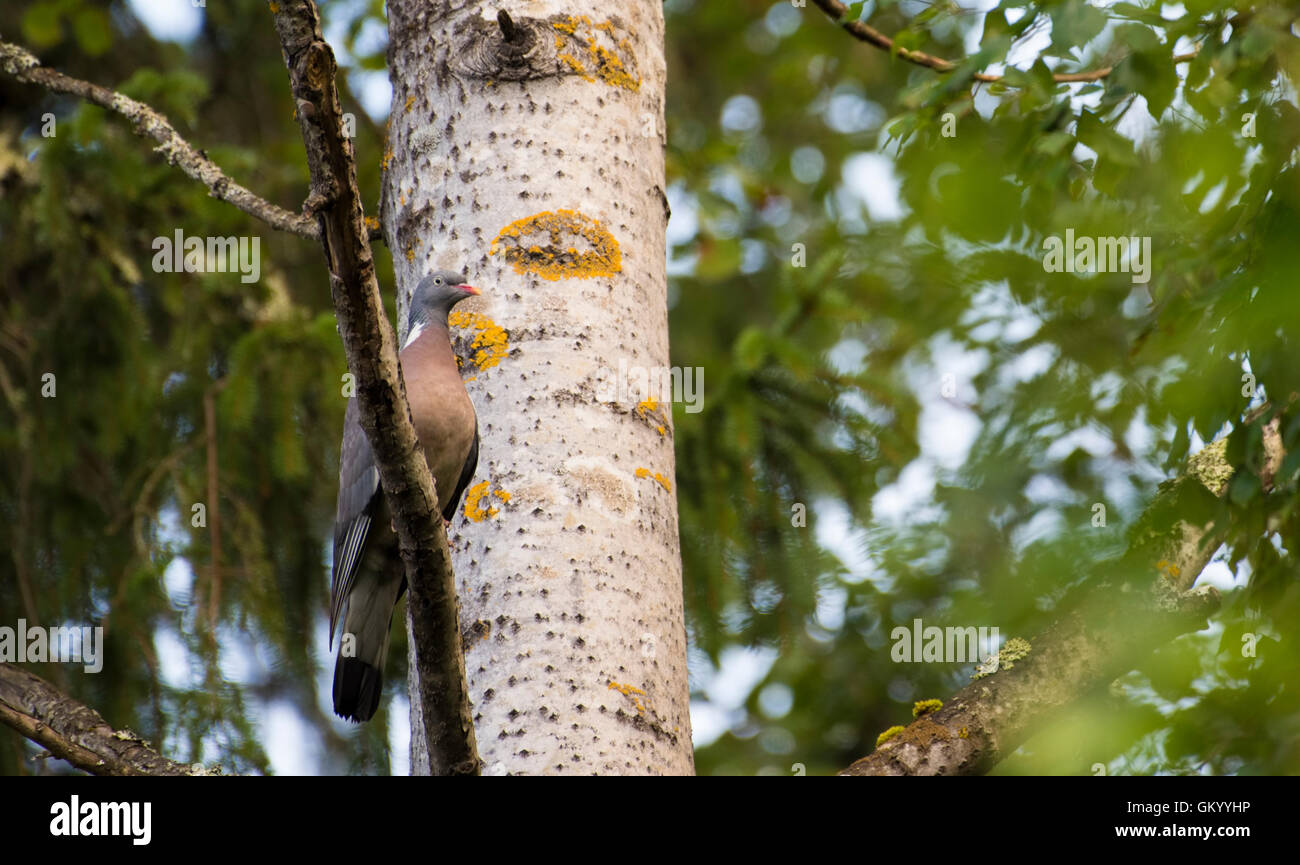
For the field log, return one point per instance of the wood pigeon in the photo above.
(368, 574)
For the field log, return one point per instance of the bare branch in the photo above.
(371, 349)
(75, 732)
(149, 123)
(864, 32)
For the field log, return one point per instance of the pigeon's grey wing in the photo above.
(358, 496)
(466, 475)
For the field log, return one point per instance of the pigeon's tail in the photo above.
(357, 687)
(359, 670)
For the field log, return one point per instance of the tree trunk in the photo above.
(529, 154)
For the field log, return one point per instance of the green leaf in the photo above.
(853, 11)
(750, 349)
(719, 258)
(42, 26)
(1053, 143)
(1289, 470)
(93, 29)
(909, 39)
(1138, 37)
(1150, 74)
(1075, 23)
(1108, 143)
(995, 26)
(1244, 487)
(1147, 15)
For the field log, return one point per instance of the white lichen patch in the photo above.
(1004, 659)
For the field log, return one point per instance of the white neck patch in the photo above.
(414, 334)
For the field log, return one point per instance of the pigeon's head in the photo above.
(436, 294)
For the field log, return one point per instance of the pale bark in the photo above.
(569, 574)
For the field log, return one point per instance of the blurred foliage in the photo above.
(99, 482)
(857, 264)
(925, 261)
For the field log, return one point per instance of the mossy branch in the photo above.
(1091, 644)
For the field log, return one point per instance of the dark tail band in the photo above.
(357, 689)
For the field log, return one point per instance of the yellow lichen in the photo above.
(491, 343)
(387, 160)
(554, 258)
(611, 70)
(477, 505)
(629, 691)
(1003, 659)
(474, 508)
(1015, 649)
(601, 62)
(574, 64)
(1210, 466)
(963, 733)
(888, 734)
(646, 408)
(663, 481)
(410, 101)
(925, 707)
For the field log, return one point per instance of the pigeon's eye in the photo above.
(437, 280)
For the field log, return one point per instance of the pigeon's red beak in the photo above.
(469, 289)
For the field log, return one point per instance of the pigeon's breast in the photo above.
(442, 411)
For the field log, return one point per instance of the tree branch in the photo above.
(864, 32)
(1090, 646)
(24, 66)
(75, 732)
(1087, 649)
(370, 346)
